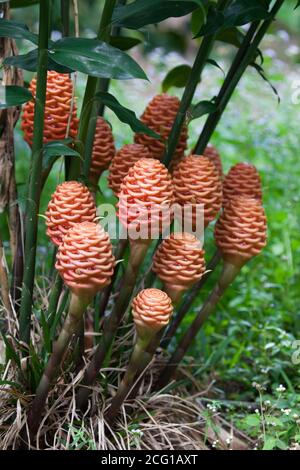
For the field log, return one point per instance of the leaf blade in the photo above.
(142, 12)
(125, 115)
(95, 58)
(15, 30)
(13, 95)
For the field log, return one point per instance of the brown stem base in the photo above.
(70, 327)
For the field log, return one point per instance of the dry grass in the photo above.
(174, 420)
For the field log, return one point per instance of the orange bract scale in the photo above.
(123, 160)
(151, 310)
(71, 203)
(179, 260)
(196, 181)
(57, 109)
(242, 180)
(103, 149)
(214, 156)
(146, 195)
(159, 116)
(240, 232)
(85, 260)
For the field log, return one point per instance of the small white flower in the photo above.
(286, 411)
(228, 440)
(267, 403)
(256, 411)
(295, 416)
(281, 388)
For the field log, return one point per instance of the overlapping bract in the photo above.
(57, 109)
(240, 232)
(242, 180)
(85, 260)
(179, 261)
(103, 149)
(145, 196)
(123, 160)
(71, 203)
(214, 156)
(159, 116)
(151, 310)
(196, 181)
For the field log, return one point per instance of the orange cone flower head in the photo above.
(159, 116)
(145, 198)
(214, 156)
(151, 310)
(242, 180)
(179, 261)
(57, 110)
(103, 149)
(123, 160)
(85, 260)
(196, 181)
(70, 204)
(240, 232)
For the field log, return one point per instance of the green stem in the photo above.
(53, 299)
(104, 82)
(65, 16)
(229, 273)
(87, 123)
(111, 323)
(189, 91)
(70, 327)
(243, 59)
(189, 300)
(105, 295)
(138, 362)
(34, 191)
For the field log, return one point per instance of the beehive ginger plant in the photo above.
(146, 173)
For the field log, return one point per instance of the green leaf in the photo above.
(124, 114)
(270, 443)
(215, 64)
(252, 420)
(22, 3)
(261, 72)
(54, 150)
(297, 5)
(95, 58)
(12, 29)
(29, 62)
(59, 147)
(202, 108)
(236, 14)
(198, 19)
(143, 12)
(177, 77)
(12, 95)
(9, 382)
(11, 353)
(231, 36)
(124, 43)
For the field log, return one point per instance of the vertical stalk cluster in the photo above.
(228, 275)
(33, 188)
(89, 112)
(245, 55)
(152, 309)
(190, 88)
